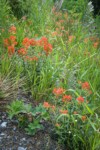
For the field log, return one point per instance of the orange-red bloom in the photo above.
(12, 29)
(33, 42)
(11, 41)
(43, 41)
(48, 48)
(95, 45)
(12, 38)
(67, 98)
(6, 42)
(58, 91)
(80, 99)
(46, 105)
(22, 51)
(11, 50)
(85, 86)
(26, 42)
(53, 107)
(63, 111)
(83, 118)
(57, 125)
(71, 38)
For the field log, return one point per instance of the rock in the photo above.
(23, 139)
(14, 128)
(22, 148)
(2, 134)
(3, 124)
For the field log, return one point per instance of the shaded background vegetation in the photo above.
(21, 8)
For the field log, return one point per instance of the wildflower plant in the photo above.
(74, 117)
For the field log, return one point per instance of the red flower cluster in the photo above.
(63, 111)
(11, 50)
(85, 86)
(43, 42)
(58, 91)
(10, 43)
(33, 42)
(80, 99)
(67, 98)
(12, 29)
(47, 105)
(22, 51)
(26, 42)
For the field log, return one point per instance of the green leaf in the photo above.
(89, 110)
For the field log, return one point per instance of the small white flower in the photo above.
(69, 132)
(74, 135)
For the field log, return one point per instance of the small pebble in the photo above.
(22, 148)
(14, 128)
(23, 139)
(4, 124)
(2, 134)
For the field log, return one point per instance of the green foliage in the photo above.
(36, 11)
(76, 6)
(16, 8)
(28, 117)
(33, 127)
(97, 23)
(4, 13)
(39, 113)
(41, 77)
(15, 108)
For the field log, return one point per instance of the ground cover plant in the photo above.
(53, 56)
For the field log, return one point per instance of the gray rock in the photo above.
(23, 139)
(14, 128)
(3, 124)
(2, 134)
(22, 148)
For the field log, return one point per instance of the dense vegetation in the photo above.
(53, 55)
